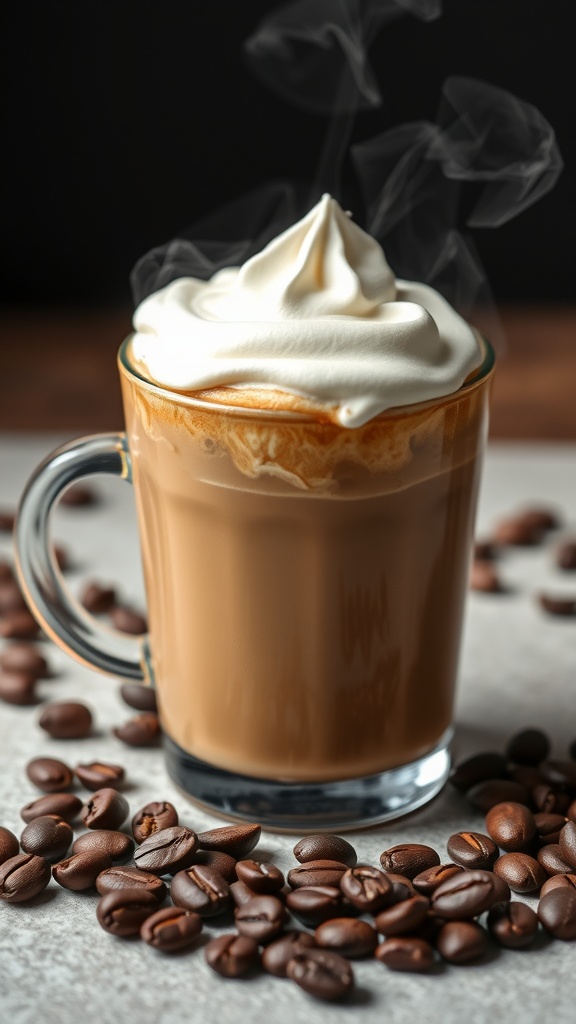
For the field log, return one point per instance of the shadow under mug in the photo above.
(305, 586)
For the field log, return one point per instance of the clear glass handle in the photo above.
(59, 614)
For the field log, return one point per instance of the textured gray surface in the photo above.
(518, 668)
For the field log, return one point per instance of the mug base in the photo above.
(311, 806)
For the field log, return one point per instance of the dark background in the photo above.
(127, 119)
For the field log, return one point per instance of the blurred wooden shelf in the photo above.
(58, 372)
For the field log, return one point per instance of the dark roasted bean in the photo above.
(406, 954)
(548, 827)
(566, 881)
(153, 818)
(478, 768)
(557, 913)
(567, 842)
(325, 847)
(487, 794)
(314, 904)
(9, 845)
(19, 625)
(510, 825)
(126, 620)
(261, 877)
(527, 775)
(130, 878)
(22, 877)
(484, 577)
(66, 720)
(17, 687)
(521, 872)
(106, 809)
(141, 731)
(549, 800)
(223, 863)
(560, 773)
(80, 871)
(460, 942)
(100, 774)
(237, 840)
(277, 954)
(139, 696)
(171, 929)
(366, 888)
(47, 836)
(551, 859)
(262, 918)
(317, 872)
(472, 850)
(409, 859)
(11, 598)
(348, 936)
(566, 555)
(403, 918)
(428, 881)
(168, 851)
(65, 805)
(97, 599)
(78, 496)
(240, 893)
(465, 895)
(513, 925)
(571, 811)
(122, 912)
(232, 956)
(529, 746)
(18, 657)
(402, 887)
(49, 775)
(484, 550)
(115, 846)
(523, 530)
(6, 570)
(555, 604)
(321, 973)
(201, 889)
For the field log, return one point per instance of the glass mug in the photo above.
(305, 583)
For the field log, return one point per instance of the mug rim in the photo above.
(478, 377)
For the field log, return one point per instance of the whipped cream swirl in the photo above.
(317, 313)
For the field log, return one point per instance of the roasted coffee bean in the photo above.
(521, 872)
(428, 881)
(99, 774)
(317, 872)
(548, 800)
(571, 811)
(49, 775)
(240, 893)
(529, 746)
(22, 877)
(551, 859)
(223, 863)
(237, 840)
(566, 881)
(527, 775)
(277, 954)
(348, 936)
(478, 768)
(201, 889)
(122, 912)
(80, 871)
(465, 895)
(403, 918)
(78, 496)
(321, 973)
(11, 598)
(130, 878)
(17, 687)
(61, 557)
(141, 731)
(171, 929)
(139, 696)
(487, 794)
(262, 918)
(484, 578)
(9, 845)
(325, 847)
(548, 827)
(153, 818)
(261, 877)
(472, 850)
(47, 836)
(555, 604)
(126, 620)
(519, 531)
(402, 887)
(406, 954)
(557, 913)
(98, 599)
(513, 925)
(65, 805)
(66, 720)
(6, 571)
(7, 520)
(168, 851)
(566, 555)
(314, 904)
(18, 657)
(460, 942)
(232, 956)
(366, 888)
(409, 859)
(484, 550)
(18, 625)
(106, 808)
(511, 825)
(567, 843)
(560, 773)
(115, 846)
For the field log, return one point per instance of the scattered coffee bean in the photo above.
(80, 871)
(521, 872)
(314, 904)
(551, 860)
(64, 805)
(527, 775)
(317, 872)
(321, 973)
(478, 768)
(366, 888)
(571, 811)
(153, 818)
(201, 889)
(465, 895)
(523, 530)
(484, 578)
(428, 881)
(240, 893)
(171, 929)
(403, 918)
(130, 878)
(126, 620)
(529, 746)
(566, 555)
(18, 657)
(325, 847)
(98, 599)
(406, 954)
(66, 720)
(262, 918)
(223, 863)
(49, 775)
(232, 956)
(139, 696)
(47, 836)
(260, 877)
(549, 800)
(78, 496)
(409, 859)
(560, 773)
(11, 599)
(122, 912)
(402, 887)
(114, 846)
(237, 840)
(17, 687)
(9, 845)
(168, 851)
(99, 774)
(277, 954)
(566, 881)
(511, 825)
(141, 731)
(557, 913)
(486, 795)
(105, 809)
(548, 827)
(61, 557)
(513, 925)
(7, 520)
(558, 605)
(461, 942)
(18, 625)
(484, 550)
(22, 877)
(472, 850)
(348, 936)
(567, 843)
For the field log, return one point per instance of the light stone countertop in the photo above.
(518, 668)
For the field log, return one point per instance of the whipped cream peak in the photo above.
(319, 313)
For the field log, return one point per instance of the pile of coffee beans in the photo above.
(163, 881)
